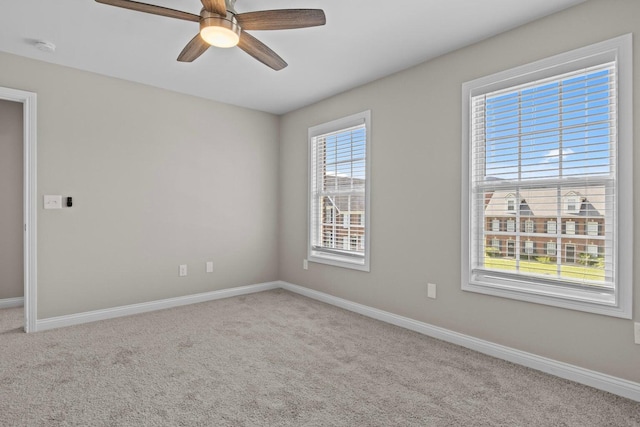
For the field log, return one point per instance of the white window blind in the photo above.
(547, 136)
(547, 142)
(338, 184)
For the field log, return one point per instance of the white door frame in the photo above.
(28, 100)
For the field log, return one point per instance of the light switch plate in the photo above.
(636, 330)
(209, 266)
(52, 202)
(431, 290)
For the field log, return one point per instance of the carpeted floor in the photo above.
(274, 359)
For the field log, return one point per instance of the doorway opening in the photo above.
(29, 201)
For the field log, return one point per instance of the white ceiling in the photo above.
(363, 40)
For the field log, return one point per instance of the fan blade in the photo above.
(193, 49)
(149, 8)
(260, 51)
(283, 19)
(215, 6)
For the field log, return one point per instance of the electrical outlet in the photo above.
(209, 266)
(183, 270)
(305, 264)
(431, 290)
(636, 330)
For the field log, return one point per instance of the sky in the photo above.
(552, 129)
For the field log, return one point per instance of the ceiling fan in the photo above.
(222, 26)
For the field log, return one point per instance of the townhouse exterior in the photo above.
(538, 223)
(343, 214)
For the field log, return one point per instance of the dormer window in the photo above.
(511, 203)
(572, 203)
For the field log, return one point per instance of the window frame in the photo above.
(555, 226)
(620, 305)
(495, 243)
(529, 247)
(334, 258)
(551, 248)
(570, 227)
(529, 226)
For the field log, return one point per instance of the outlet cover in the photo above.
(636, 330)
(305, 264)
(183, 270)
(209, 266)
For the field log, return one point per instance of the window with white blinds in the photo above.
(544, 146)
(339, 192)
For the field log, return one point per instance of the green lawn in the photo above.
(567, 271)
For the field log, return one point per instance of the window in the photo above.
(511, 203)
(354, 243)
(570, 227)
(570, 254)
(495, 225)
(495, 243)
(592, 250)
(551, 227)
(551, 248)
(572, 203)
(557, 134)
(329, 214)
(528, 247)
(511, 226)
(592, 228)
(528, 226)
(339, 183)
(346, 220)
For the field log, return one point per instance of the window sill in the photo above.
(361, 264)
(603, 303)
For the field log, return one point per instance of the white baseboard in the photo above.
(11, 302)
(127, 310)
(619, 386)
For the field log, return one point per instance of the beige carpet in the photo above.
(274, 359)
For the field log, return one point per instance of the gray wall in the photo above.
(158, 178)
(161, 179)
(11, 253)
(416, 193)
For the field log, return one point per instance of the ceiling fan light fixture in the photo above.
(220, 31)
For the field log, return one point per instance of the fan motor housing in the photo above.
(210, 19)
